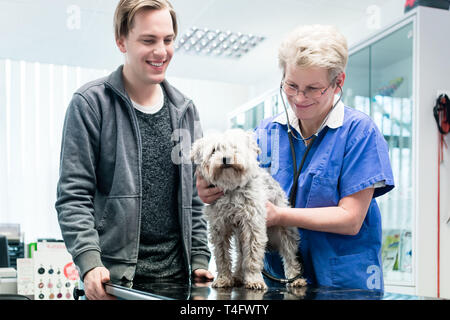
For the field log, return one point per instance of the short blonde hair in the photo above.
(127, 9)
(315, 46)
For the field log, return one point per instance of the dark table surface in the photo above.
(276, 291)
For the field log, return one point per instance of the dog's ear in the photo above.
(251, 140)
(197, 150)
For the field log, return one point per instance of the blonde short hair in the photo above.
(315, 46)
(127, 9)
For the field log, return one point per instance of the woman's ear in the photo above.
(340, 80)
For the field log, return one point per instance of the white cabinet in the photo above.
(380, 83)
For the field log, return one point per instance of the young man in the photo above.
(126, 201)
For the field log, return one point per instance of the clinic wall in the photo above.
(62, 32)
(214, 100)
(33, 100)
(433, 69)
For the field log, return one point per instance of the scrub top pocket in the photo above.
(323, 193)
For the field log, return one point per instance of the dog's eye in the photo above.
(213, 151)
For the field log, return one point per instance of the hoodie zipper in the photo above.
(138, 135)
(185, 248)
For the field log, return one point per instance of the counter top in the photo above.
(276, 291)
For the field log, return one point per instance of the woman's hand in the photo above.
(273, 217)
(206, 193)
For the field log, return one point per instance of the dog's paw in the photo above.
(301, 282)
(256, 285)
(238, 280)
(222, 282)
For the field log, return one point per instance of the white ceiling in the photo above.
(272, 19)
(35, 30)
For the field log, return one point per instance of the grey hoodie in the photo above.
(99, 190)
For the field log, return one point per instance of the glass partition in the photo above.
(379, 83)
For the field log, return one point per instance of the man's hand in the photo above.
(202, 276)
(206, 193)
(93, 284)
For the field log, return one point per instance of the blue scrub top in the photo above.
(341, 162)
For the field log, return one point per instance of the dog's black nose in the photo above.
(226, 160)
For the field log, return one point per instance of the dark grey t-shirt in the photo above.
(160, 248)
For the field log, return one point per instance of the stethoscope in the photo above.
(296, 176)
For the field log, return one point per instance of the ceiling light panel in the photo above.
(217, 43)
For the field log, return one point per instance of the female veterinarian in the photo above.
(331, 161)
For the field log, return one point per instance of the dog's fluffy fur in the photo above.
(229, 161)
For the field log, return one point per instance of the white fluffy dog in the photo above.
(229, 161)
